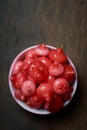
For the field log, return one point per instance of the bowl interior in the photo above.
(22, 104)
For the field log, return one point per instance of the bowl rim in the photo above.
(23, 104)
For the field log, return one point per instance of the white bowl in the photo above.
(24, 105)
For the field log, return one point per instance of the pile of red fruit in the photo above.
(43, 78)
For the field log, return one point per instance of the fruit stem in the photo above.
(61, 45)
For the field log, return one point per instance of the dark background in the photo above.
(24, 23)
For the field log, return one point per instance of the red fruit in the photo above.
(28, 88)
(32, 79)
(66, 96)
(31, 54)
(19, 95)
(60, 86)
(46, 91)
(35, 101)
(50, 79)
(69, 73)
(27, 61)
(17, 67)
(56, 104)
(46, 105)
(18, 80)
(58, 55)
(42, 50)
(45, 61)
(71, 89)
(43, 78)
(56, 69)
(37, 70)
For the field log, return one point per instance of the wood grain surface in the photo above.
(24, 23)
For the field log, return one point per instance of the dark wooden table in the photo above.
(24, 23)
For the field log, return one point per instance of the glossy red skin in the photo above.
(66, 96)
(35, 101)
(45, 61)
(69, 73)
(56, 69)
(17, 67)
(18, 80)
(71, 89)
(27, 61)
(28, 88)
(46, 105)
(31, 54)
(33, 80)
(50, 79)
(19, 95)
(58, 55)
(42, 50)
(56, 104)
(60, 86)
(46, 91)
(38, 70)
